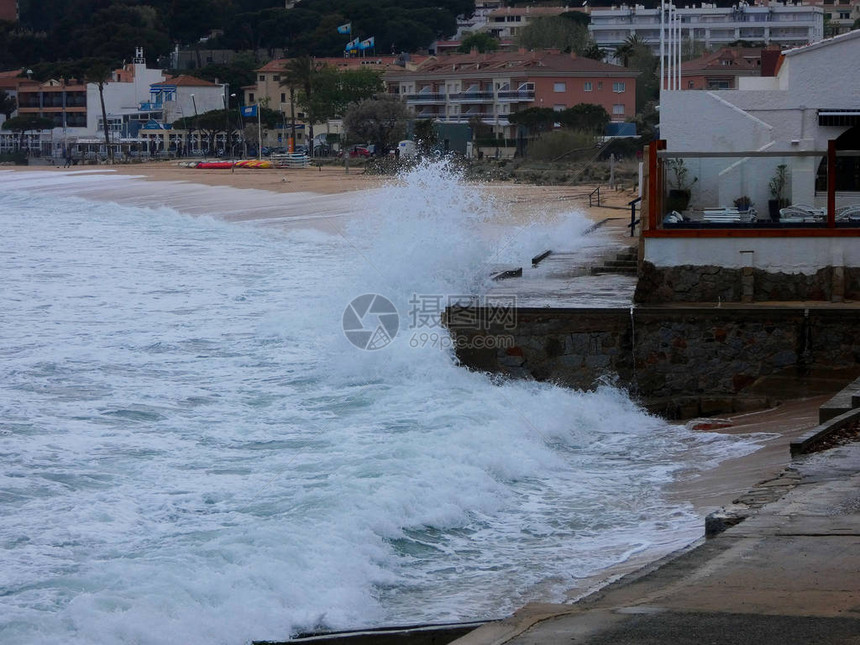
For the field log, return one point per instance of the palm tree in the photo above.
(625, 51)
(299, 74)
(100, 73)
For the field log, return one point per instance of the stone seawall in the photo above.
(714, 284)
(684, 361)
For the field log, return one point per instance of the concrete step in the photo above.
(619, 270)
(621, 263)
(841, 403)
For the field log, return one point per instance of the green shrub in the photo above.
(18, 158)
(566, 145)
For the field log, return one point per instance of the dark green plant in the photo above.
(743, 203)
(778, 184)
(679, 175)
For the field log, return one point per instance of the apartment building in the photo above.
(786, 25)
(491, 87)
(505, 23)
(269, 91)
(839, 15)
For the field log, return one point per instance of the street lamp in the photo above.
(226, 102)
(194, 103)
(233, 146)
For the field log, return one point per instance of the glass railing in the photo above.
(472, 96)
(758, 190)
(513, 95)
(425, 98)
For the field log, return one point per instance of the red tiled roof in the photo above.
(726, 59)
(9, 80)
(278, 65)
(183, 80)
(547, 61)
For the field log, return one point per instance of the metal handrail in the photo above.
(596, 190)
(633, 220)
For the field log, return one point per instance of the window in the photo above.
(618, 87)
(599, 85)
(559, 87)
(586, 86)
(283, 97)
(276, 77)
(618, 108)
(250, 97)
(261, 77)
(690, 85)
(559, 108)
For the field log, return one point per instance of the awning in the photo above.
(839, 117)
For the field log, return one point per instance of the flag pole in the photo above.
(259, 135)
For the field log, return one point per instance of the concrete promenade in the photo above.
(788, 574)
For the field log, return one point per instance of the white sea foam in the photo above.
(193, 452)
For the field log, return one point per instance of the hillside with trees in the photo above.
(57, 30)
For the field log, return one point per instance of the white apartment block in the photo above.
(787, 25)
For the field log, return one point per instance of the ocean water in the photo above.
(192, 451)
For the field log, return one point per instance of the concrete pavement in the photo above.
(788, 574)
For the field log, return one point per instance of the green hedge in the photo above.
(18, 158)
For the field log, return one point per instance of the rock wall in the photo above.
(713, 284)
(710, 358)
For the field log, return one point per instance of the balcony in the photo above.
(425, 98)
(516, 96)
(151, 107)
(472, 97)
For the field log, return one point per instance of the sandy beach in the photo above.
(332, 189)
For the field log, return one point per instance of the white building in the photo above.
(134, 96)
(787, 24)
(506, 23)
(736, 143)
(799, 109)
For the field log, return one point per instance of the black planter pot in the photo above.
(773, 209)
(677, 200)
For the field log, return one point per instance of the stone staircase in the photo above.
(626, 263)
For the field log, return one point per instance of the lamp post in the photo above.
(194, 103)
(226, 100)
(233, 146)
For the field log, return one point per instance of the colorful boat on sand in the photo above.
(247, 163)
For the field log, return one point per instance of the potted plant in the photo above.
(679, 185)
(778, 185)
(743, 203)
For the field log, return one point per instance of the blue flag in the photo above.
(249, 110)
(345, 29)
(367, 44)
(352, 44)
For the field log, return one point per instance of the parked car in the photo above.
(357, 151)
